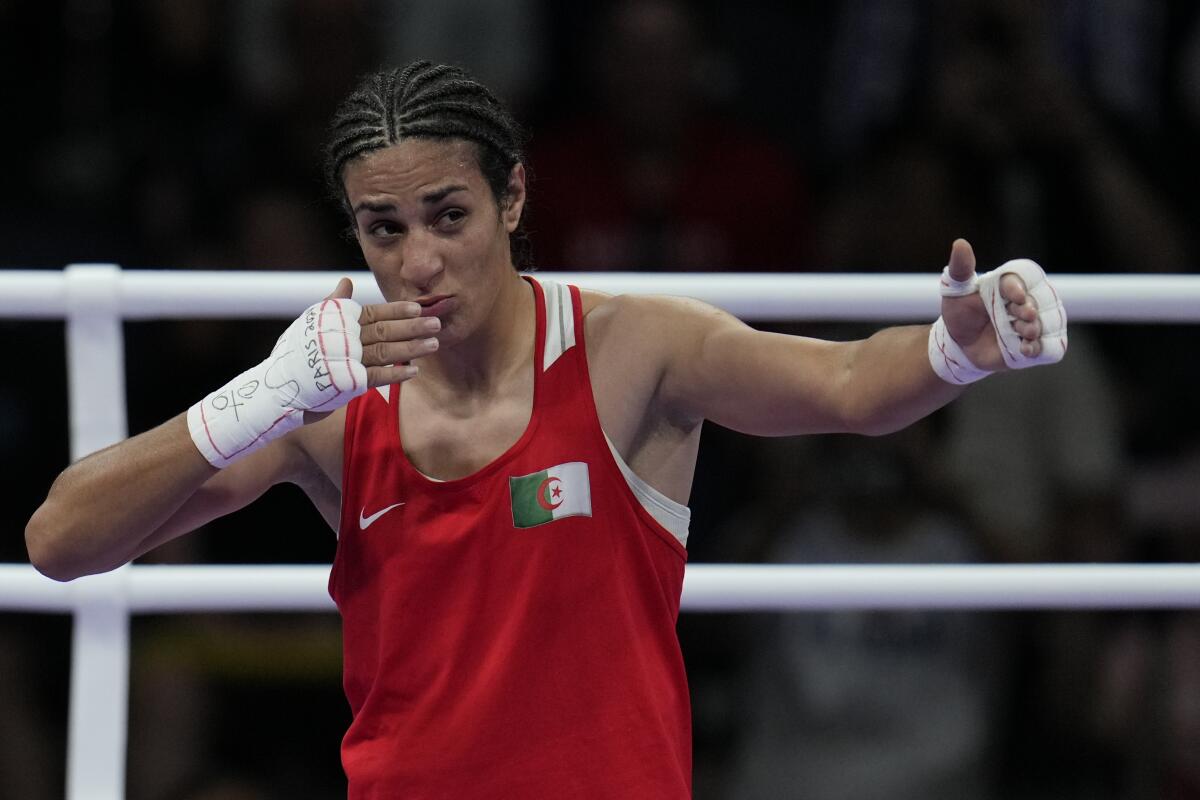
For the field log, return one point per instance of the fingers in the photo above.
(1012, 288)
(399, 340)
(1031, 337)
(396, 373)
(401, 309)
(393, 334)
(1020, 304)
(344, 290)
(383, 354)
(395, 330)
(962, 260)
(1023, 313)
(1027, 329)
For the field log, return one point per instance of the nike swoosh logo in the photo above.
(365, 522)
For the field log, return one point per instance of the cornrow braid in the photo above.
(431, 101)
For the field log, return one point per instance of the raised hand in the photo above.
(333, 352)
(392, 336)
(997, 319)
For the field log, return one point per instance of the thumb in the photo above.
(962, 260)
(344, 290)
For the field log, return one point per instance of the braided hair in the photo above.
(432, 101)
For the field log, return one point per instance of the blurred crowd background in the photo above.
(862, 135)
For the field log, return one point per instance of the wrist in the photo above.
(948, 359)
(315, 366)
(239, 418)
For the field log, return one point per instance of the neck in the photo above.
(495, 350)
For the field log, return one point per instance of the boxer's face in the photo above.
(431, 230)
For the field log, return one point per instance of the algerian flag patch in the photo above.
(554, 493)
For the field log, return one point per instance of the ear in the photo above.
(514, 195)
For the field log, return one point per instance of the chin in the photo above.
(451, 332)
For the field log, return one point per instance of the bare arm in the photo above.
(715, 367)
(770, 384)
(117, 504)
(123, 501)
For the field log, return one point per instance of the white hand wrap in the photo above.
(315, 366)
(948, 359)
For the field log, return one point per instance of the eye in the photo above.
(450, 218)
(384, 229)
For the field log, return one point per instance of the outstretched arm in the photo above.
(717, 368)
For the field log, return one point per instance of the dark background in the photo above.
(757, 136)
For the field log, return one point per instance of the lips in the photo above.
(437, 305)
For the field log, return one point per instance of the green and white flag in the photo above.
(554, 493)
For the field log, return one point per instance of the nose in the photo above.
(421, 258)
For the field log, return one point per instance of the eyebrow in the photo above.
(438, 195)
(430, 198)
(367, 205)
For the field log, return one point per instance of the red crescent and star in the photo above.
(556, 492)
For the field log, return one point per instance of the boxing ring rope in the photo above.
(156, 589)
(162, 294)
(94, 300)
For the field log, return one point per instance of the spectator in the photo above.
(649, 177)
(865, 704)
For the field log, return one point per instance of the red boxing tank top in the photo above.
(510, 634)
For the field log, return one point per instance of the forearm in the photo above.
(889, 383)
(229, 447)
(101, 509)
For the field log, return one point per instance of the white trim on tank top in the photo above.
(673, 516)
(560, 337)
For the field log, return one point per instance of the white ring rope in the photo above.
(179, 294)
(182, 294)
(707, 587)
(95, 299)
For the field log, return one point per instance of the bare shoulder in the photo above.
(646, 313)
(637, 346)
(652, 323)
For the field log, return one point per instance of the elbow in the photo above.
(48, 553)
(856, 411)
(868, 428)
(869, 415)
(869, 422)
(878, 429)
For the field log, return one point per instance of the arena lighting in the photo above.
(94, 300)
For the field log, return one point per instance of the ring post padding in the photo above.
(95, 357)
(98, 715)
(97, 727)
